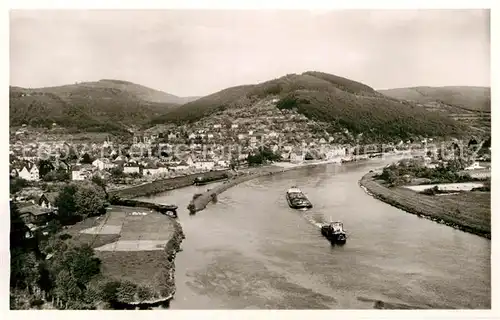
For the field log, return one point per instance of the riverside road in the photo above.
(251, 251)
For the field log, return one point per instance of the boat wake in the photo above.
(315, 220)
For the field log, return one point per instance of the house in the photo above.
(217, 126)
(223, 163)
(37, 215)
(253, 141)
(121, 158)
(29, 172)
(182, 166)
(130, 168)
(103, 163)
(234, 126)
(241, 136)
(77, 174)
(48, 200)
(204, 165)
(153, 170)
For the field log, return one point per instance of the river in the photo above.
(251, 251)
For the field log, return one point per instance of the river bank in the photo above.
(162, 185)
(468, 211)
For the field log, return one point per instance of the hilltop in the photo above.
(468, 98)
(339, 103)
(105, 105)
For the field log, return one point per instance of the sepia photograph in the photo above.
(333, 159)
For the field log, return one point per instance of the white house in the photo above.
(204, 165)
(253, 141)
(78, 175)
(29, 172)
(182, 166)
(130, 168)
(217, 126)
(103, 163)
(234, 126)
(151, 170)
(223, 163)
(336, 152)
(192, 136)
(241, 136)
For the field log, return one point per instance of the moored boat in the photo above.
(297, 199)
(334, 232)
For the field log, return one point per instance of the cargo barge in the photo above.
(201, 181)
(297, 199)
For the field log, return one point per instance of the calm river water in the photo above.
(251, 251)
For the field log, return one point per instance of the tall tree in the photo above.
(44, 167)
(86, 159)
(89, 200)
(66, 204)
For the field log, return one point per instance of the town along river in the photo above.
(251, 251)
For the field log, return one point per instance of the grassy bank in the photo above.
(467, 211)
(163, 185)
(144, 275)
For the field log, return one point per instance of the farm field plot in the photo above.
(131, 245)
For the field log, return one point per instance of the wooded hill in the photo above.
(105, 105)
(343, 103)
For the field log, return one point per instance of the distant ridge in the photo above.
(104, 105)
(466, 97)
(342, 103)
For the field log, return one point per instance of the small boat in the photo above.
(297, 199)
(334, 232)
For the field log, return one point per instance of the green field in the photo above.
(468, 211)
(133, 248)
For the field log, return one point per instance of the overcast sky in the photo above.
(190, 53)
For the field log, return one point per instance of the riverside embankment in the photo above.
(468, 211)
(162, 185)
